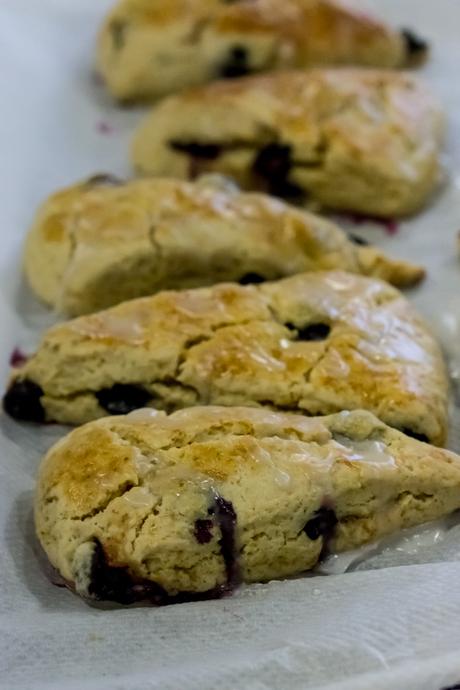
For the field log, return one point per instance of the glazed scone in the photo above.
(148, 507)
(149, 48)
(101, 242)
(360, 140)
(315, 343)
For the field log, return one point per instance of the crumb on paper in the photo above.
(104, 127)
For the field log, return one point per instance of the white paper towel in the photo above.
(376, 628)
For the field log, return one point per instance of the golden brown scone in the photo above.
(149, 48)
(359, 140)
(102, 242)
(148, 507)
(316, 342)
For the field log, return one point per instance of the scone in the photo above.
(149, 48)
(101, 242)
(147, 507)
(315, 343)
(360, 140)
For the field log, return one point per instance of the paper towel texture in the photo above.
(375, 628)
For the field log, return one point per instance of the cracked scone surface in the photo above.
(360, 140)
(149, 48)
(103, 241)
(147, 506)
(315, 342)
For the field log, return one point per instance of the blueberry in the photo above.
(236, 64)
(196, 149)
(123, 398)
(226, 519)
(251, 278)
(109, 583)
(452, 687)
(203, 531)
(321, 524)
(416, 435)
(18, 358)
(273, 164)
(415, 45)
(22, 401)
(312, 332)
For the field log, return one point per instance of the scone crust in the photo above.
(316, 342)
(148, 49)
(96, 244)
(131, 507)
(360, 140)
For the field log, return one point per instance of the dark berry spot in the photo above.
(321, 524)
(452, 687)
(236, 64)
(203, 531)
(195, 149)
(123, 398)
(314, 331)
(18, 358)
(251, 278)
(416, 435)
(104, 180)
(226, 519)
(22, 401)
(356, 239)
(108, 583)
(117, 584)
(273, 164)
(118, 32)
(415, 45)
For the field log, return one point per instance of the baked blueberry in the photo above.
(236, 64)
(195, 149)
(226, 519)
(273, 164)
(109, 583)
(123, 398)
(251, 278)
(18, 358)
(322, 524)
(203, 531)
(415, 45)
(312, 332)
(22, 401)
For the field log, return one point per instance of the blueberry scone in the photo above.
(360, 140)
(149, 48)
(147, 507)
(315, 343)
(102, 242)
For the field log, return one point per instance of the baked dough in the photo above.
(316, 342)
(103, 241)
(359, 140)
(154, 508)
(149, 48)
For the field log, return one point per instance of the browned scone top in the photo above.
(315, 343)
(153, 508)
(149, 48)
(104, 241)
(361, 140)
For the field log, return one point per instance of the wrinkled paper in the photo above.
(385, 617)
